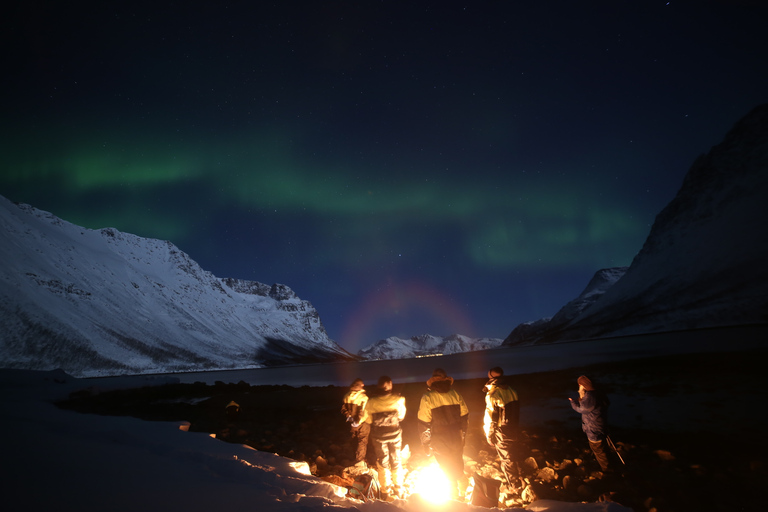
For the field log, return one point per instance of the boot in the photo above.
(463, 483)
(385, 478)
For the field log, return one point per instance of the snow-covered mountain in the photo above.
(528, 333)
(426, 345)
(705, 261)
(103, 302)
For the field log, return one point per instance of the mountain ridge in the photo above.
(703, 262)
(426, 345)
(104, 302)
(531, 332)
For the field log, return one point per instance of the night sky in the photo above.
(408, 167)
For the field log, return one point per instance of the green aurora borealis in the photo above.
(526, 220)
(398, 167)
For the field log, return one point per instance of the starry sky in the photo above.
(407, 167)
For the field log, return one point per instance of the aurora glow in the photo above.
(492, 155)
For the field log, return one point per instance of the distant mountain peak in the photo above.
(425, 345)
(545, 328)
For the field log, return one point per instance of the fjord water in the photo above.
(514, 360)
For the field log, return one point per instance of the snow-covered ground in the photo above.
(57, 460)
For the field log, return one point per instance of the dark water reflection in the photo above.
(519, 360)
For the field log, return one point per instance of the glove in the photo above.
(355, 424)
(349, 418)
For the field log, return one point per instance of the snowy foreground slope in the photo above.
(61, 460)
(704, 261)
(103, 302)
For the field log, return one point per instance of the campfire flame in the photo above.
(430, 483)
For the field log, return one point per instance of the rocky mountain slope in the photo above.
(528, 333)
(103, 302)
(704, 261)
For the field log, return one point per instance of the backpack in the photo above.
(485, 492)
(365, 487)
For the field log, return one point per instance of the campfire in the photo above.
(429, 482)
(423, 477)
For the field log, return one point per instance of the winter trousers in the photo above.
(600, 449)
(388, 461)
(360, 437)
(505, 447)
(448, 449)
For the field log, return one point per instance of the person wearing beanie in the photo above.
(443, 418)
(385, 412)
(593, 407)
(585, 383)
(501, 422)
(354, 409)
(233, 410)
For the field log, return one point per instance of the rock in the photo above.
(665, 455)
(528, 496)
(547, 475)
(531, 464)
(571, 483)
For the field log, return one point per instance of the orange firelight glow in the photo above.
(432, 484)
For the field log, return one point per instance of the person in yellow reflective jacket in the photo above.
(443, 419)
(501, 423)
(385, 411)
(354, 410)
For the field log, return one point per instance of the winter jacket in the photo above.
(502, 409)
(442, 413)
(354, 405)
(384, 413)
(594, 414)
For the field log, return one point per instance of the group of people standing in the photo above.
(443, 419)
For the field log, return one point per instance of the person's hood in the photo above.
(354, 393)
(496, 382)
(440, 384)
(586, 383)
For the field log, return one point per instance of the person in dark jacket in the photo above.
(385, 411)
(501, 422)
(593, 406)
(443, 418)
(354, 410)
